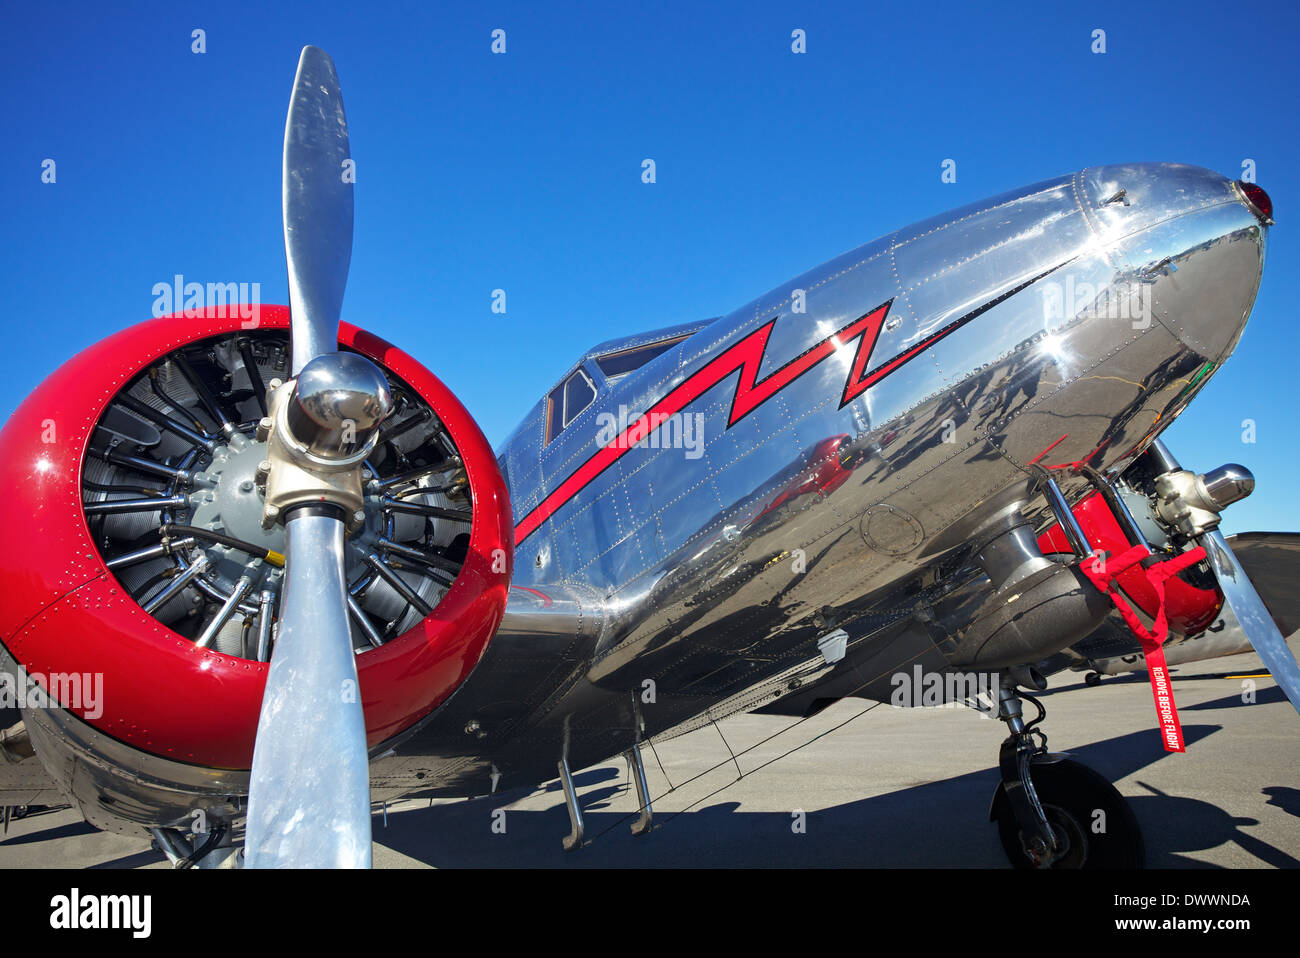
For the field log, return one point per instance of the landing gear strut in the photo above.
(1051, 811)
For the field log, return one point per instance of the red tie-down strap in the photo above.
(1102, 573)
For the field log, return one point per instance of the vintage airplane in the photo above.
(308, 584)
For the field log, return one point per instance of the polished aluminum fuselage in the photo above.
(1089, 310)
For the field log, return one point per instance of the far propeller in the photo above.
(1191, 504)
(309, 795)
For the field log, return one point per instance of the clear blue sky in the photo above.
(523, 171)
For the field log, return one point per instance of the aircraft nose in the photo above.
(1123, 198)
(1191, 241)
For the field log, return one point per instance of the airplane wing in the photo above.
(1272, 560)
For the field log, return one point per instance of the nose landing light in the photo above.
(1258, 201)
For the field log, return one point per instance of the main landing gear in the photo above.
(1051, 811)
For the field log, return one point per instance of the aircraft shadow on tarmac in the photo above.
(1285, 798)
(936, 824)
(68, 830)
(1264, 696)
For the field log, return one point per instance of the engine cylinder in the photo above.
(168, 702)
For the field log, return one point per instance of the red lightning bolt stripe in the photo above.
(747, 356)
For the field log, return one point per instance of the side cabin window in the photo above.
(566, 401)
(615, 366)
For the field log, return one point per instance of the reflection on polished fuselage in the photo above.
(1065, 323)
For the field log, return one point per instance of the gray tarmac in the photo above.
(886, 787)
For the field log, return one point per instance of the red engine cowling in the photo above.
(62, 610)
(1189, 608)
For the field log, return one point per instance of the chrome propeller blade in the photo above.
(309, 802)
(317, 202)
(309, 791)
(1250, 611)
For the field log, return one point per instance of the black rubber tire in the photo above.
(1071, 794)
(1092, 680)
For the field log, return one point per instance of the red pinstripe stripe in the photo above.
(745, 356)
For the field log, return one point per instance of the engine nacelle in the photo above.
(1192, 600)
(134, 558)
